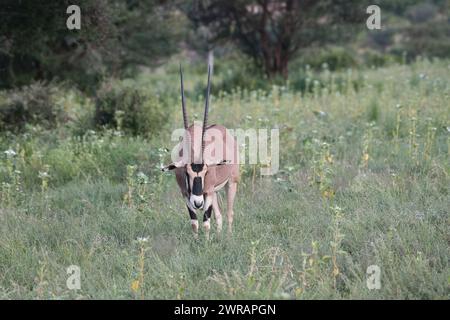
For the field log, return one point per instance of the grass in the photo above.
(363, 180)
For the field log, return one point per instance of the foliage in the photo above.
(44, 106)
(364, 180)
(115, 37)
(36, 43)
(413, 28)
(127, 108)
(331, 58)
(427, 39)
(30, 105)
(272, 32)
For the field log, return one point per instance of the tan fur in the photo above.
(215, 175)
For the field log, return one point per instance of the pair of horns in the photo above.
(205, 115)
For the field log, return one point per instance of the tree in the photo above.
(273, 31)
(115, 35)
(148, 31)
(413, 28)
(36, 44)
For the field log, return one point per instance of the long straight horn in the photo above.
(205, 116)
(183, 102)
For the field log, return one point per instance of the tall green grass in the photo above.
(363, 180)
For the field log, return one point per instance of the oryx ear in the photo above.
(170, 167)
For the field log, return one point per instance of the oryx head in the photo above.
(195, 171)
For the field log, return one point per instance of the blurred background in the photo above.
(254, 45)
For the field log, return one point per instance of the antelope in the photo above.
(207, 162)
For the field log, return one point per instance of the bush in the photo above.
(372, 58)
(238, 72)
(332, 58)
(126, 107)
(421, 12)
(242, 79)
(33, 105)
(427, 39)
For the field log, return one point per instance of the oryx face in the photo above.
(195, 182)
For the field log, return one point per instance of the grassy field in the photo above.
(364, 180)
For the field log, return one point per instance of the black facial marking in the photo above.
(197, 167)
(188, 185)
(207, 214)
(192, 214)
(197, 188)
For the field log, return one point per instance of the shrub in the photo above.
(33, 104)
(372, 58)
(129, 108)
(421, 12)
(427, 39)
(303, 82)
(241, 74)
(332, 58)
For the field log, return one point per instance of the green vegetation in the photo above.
(85, 125)
(364, 180)
(119, 38)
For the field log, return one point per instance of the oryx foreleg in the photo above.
(217, 214)
(207, 214)
(193, 216)
(231, 193)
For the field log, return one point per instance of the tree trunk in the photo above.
(273, 54)
(276, 63)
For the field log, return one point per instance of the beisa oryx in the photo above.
(206, 161)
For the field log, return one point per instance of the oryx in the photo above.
(206, 162)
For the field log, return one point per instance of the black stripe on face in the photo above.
(192, 214)
(197, 188)
(188, 185)
(207, 214)
(197, 167)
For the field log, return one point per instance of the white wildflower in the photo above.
(10, 153)
(142, 239)
(43, 175)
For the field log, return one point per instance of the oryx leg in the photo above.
(217, 214)
(207, 214)
(193, 216)
(231, 193)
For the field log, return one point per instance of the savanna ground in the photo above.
(363, 180)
